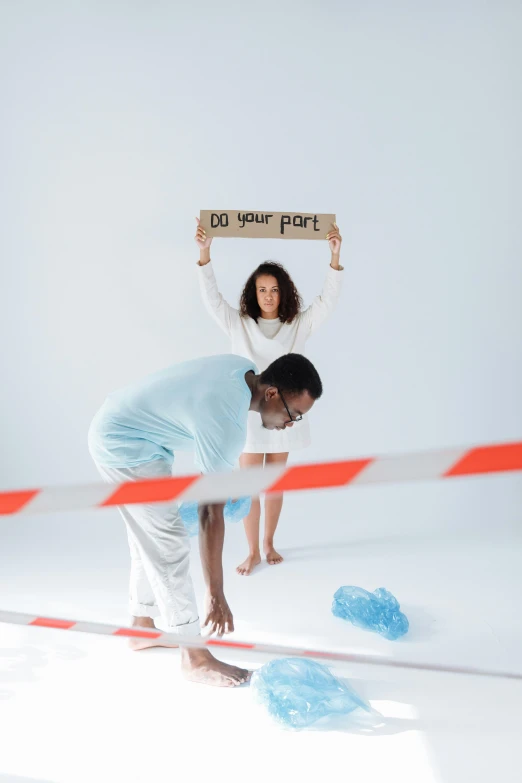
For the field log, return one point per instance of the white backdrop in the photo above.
(122, 120)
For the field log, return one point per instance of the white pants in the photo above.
(160, 582)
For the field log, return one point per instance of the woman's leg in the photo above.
(273, 506)
(251, 521)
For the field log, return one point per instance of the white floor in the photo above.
(77, 708)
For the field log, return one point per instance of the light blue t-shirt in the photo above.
(200, 405)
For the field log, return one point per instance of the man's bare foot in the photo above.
(147, 623)
(248, 565)
(201, 666)
(272, 557)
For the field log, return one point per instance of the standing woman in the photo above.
(268, 324)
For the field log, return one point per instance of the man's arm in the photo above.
(211, 538)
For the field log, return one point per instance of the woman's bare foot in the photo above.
(272, 557)
(248, 565)
(147, 623)
(201, 666)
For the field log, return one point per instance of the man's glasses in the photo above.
(297, 418)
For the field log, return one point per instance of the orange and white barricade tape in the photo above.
(104, 629)
(217, 487)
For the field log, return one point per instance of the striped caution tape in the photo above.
(216, 487)
(104, 629)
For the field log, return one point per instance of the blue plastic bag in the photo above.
(233, 512)
(189, 517)
(378, 611)
(298, 692)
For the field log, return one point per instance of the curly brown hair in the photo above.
(290, 303)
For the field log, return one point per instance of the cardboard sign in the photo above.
(265, 225)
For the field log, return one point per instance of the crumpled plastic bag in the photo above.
(233, 512)
(378, 611)
(189, 517)
(237, 510)
(298, 692)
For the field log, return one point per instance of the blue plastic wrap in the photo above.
(298, 692)
(378, 611)
(233, 512)
(189, 517)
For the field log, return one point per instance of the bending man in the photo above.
(200, 405)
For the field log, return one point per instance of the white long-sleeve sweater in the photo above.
(266, 340)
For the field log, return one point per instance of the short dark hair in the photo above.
(293, 374)
(290, 302)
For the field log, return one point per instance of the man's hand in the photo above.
(218, 615)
